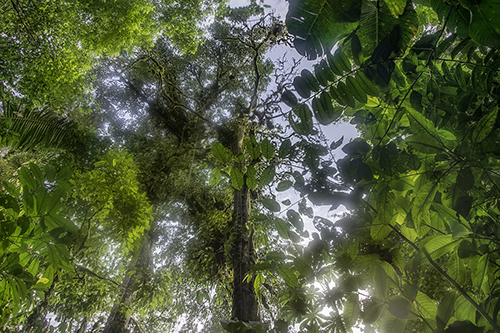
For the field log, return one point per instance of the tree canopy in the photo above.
(159, 171)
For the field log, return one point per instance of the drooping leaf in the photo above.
(267, 175)
(289, 276)
(271, 204)
(352, 310)
(215, 176)
(282, 227)
(391, 324)
(267, 149)
(251, 180)
(284, 185)
(445, 309)
(295, 219)
(236, 178)
(399, 307)
(220, 152)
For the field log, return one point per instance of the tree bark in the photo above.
(119, 318)
(245, 305)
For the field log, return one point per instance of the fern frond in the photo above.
(23, 127)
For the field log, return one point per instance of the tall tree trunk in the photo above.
(245, 305)
(119, 317)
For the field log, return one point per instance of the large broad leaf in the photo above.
(282, 227)
(352, 310)
(271, 204)
(445, 309)
(425, 305)
(317, 25)
(400, 307)
(236, 178)
(220, 152)
(383, 34)
(267, 175)
(267, 149)
(435, 247)
(484, 25)
(392, 324)
(289, 276)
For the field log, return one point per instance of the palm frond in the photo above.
(23, 127)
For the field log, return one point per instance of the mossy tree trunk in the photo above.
(119, 317)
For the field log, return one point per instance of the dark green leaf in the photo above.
(284, 149)
(267, 149)
(236, 178)
(282, 227)
(267, 175)
(271, 204)
(220, 152)
(445, 309)
(295, 219)
(334, 145)
(284, 185)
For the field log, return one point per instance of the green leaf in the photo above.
(422, 202)
(284, 185)
(220, 153)
(334, 145)
(464, 326)
(380, 231)
(301, 87)
(289, 98)
(310, 80)
(352, 310)
(458, 230)
(380, 282)
(426, 306)
(466, 249)
(215, 176)
(439, 245)
(251, 180)
(267, 149)
(289, 276)
(400, 307)
(372, 313)
(285, 148)
(253, 147)
(305, 126)
(445, 309)
(318, 25)
(267, 175)
(26, 178)
(465, 179)
(271, 204)
(295, 219)
(282, 227)
(425, 143)
(485, 126)
(324, 111)
(236, 178)
(392, 324)
(484, 26)
(11, 189)
(481, 281)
